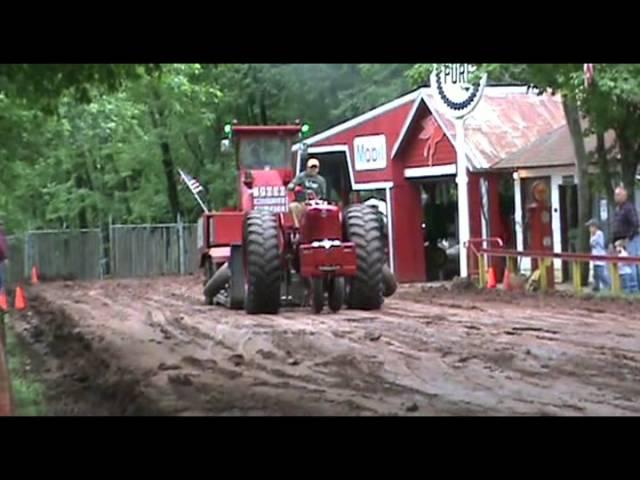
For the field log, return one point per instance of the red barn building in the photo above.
(404, 153)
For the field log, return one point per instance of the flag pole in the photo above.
(198, 199)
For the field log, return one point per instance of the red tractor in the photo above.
(256, 259)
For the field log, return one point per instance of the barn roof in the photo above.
(361, 118)
(506, 120)
(552, 150)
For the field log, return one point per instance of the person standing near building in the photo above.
(4, 254)
(626, 226)
(627, 270)
(600, 276)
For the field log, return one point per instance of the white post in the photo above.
(112, 252)
(462, 180)
(556, 227)
(181, 245)
(486, 227)
(392, 261)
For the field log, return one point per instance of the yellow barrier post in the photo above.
(542, 265)
(512, 265)
(615, 278)
(576, 276)
(482, 280)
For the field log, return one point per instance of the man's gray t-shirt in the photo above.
(315, 183)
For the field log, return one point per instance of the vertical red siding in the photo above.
(495, 220)
(408, 238)
(421, 133)
(389, 123)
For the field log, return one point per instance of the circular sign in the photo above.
(451, 82)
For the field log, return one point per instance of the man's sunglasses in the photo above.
(313, 166)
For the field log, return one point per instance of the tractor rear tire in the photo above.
(263, 263)
(389, 282)
(362, 227)
(317, 294)
(336, 294)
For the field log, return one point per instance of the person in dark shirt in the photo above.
(625, 225)
(308, 181)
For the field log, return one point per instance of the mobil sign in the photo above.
(370, 152)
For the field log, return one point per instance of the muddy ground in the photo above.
(147, 347)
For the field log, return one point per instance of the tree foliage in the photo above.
(86, 143)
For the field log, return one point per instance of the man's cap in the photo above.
(620, 243)
(313, 162)
(593, 222)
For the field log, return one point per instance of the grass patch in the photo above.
(28, 392)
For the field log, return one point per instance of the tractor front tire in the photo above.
(216, 283)
(389, 282)
(317, 294)
(336, 294)
(362, 227)
(209, 270)
(263, 263)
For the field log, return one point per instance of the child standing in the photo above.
(600, 276)
(627, 274)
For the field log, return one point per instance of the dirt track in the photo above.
(151, 347)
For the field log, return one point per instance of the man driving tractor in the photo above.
(308, 181)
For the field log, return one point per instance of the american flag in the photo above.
(588, 74)
(194, 185)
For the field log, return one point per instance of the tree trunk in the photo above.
(582, 169)
(263, 108)
(83, 220)
(603, 167)
(168, 165)
(195, 147)
(629, 171)
(628, 156)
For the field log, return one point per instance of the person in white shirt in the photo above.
(600, 277)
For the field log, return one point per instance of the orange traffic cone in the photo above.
(506, 280)
(34, 276)
(491, 283)
(4, 304)
(21, 299)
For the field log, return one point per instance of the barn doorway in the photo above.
(335, 170)
(440, 228)
(568, 224)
